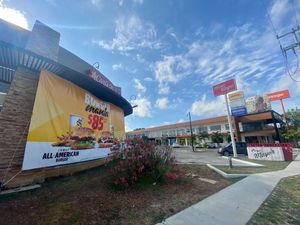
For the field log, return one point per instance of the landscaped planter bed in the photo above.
(86, 198)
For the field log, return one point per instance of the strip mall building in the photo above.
(58, 114)
(263, 127)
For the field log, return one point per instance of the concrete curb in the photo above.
(226, 175)
(20, 189)
(243, 161)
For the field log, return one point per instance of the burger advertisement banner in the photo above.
(70, 125)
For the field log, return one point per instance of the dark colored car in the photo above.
(241, 148)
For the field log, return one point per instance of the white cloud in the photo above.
(127, 125)
(208, 108)
(117, 66)
(52, 2)
(149, 79)
(138, 86)
(181, 121)
(143, 108)
(131, 33)
(13, 15)
(97, 3)
(120, 2)
(163, 89)
(162, 103)
(248, 54)
(170, 70)
(138, 1)
(279, 11)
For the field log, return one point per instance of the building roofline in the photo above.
(14, 53)
(183, 124)
(208, 121)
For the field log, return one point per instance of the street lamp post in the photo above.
(191, 129)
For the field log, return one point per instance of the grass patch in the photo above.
(268, 167)
(282, 206)
(86, 198)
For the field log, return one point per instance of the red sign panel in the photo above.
(225, 87)
(97, 76)
(278, 95)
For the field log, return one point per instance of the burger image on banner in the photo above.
(64, 141)
(81, 138)
(106, 140)
(84, 138)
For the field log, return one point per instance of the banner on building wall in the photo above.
(70, 125)
(258, 103)
(272, 153)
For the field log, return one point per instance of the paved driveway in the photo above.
(211, 156)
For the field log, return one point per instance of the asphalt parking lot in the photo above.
(185, 155)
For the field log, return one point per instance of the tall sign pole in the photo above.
(230, 127)
(223, 89)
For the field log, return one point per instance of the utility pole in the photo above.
(192, 138)
(293, 45)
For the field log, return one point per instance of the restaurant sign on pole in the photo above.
(278, 95)
(237, 103)
(222, 89)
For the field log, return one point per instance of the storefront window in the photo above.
(215, 128)
(202, 129)
(227, 126)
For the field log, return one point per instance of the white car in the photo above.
(176, 145)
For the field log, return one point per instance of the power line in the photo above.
(287, 66)
(292, 46)
(271, 22)
(295, 13)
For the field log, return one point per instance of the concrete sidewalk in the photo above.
(236, 204)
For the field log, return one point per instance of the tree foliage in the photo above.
(203, 135)
(292, 132)
(217, 137)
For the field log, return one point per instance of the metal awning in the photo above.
(11, 57)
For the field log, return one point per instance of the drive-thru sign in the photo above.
(222, 89)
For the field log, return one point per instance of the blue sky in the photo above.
(166, 55)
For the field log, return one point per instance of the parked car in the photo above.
(211, 145)
(241, 148)
(176, 145)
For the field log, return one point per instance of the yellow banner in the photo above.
(69, 122)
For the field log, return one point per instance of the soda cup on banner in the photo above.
(76, 122)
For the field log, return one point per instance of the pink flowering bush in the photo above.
(138, 159)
